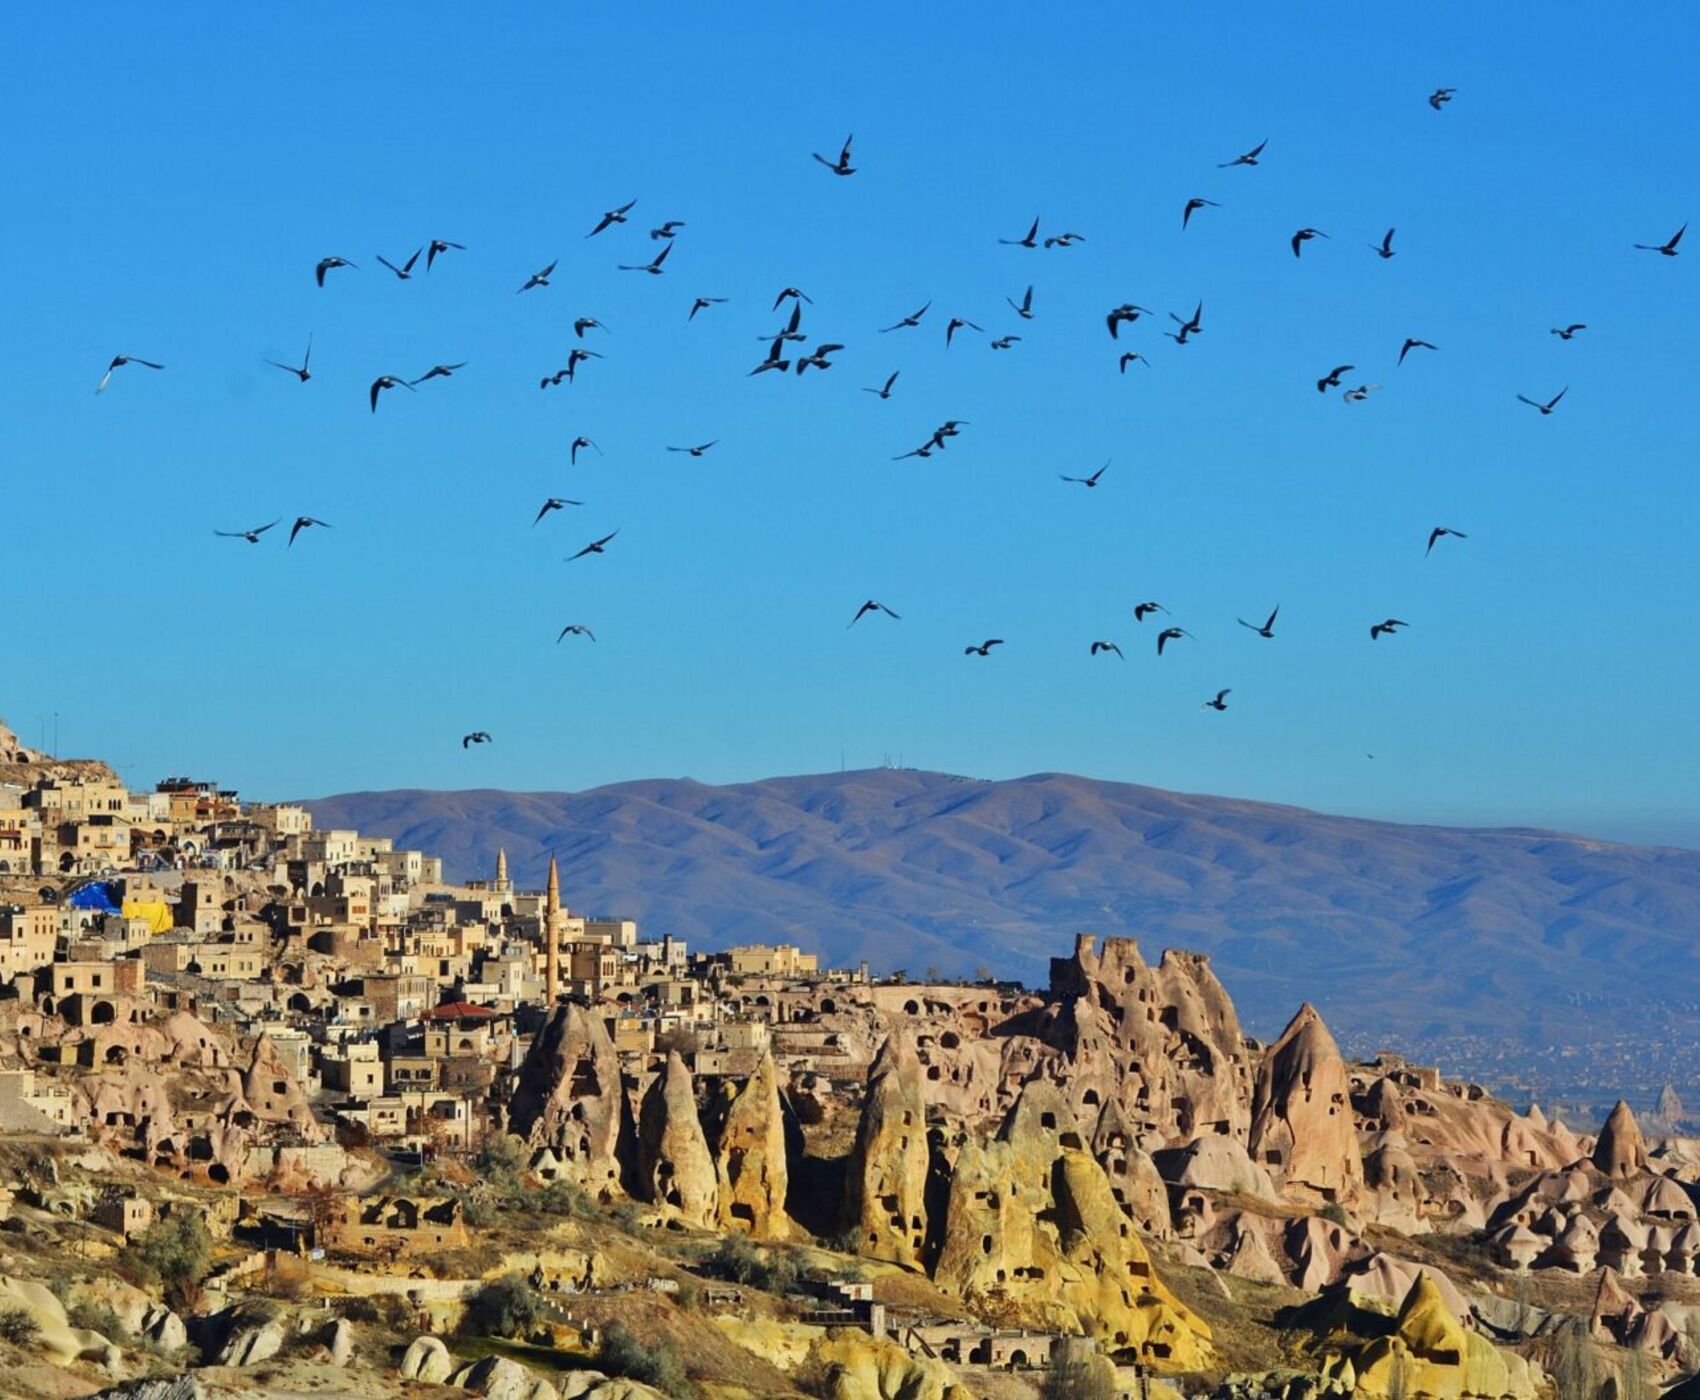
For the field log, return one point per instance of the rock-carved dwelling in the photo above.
(396, 1224)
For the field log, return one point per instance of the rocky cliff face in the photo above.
(674, 1166)
(569, 1098)
(1302, 1128)
(749, 1157)
(886, 1176)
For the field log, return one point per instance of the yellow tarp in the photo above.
(156, 912)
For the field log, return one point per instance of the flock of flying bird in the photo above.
(786, 353)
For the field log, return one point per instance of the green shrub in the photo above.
(504, 1307)
(738, 1261)
(174, 1254)
(19, 1327)
(652, 1362)
(501, 1160)
(98, 1317)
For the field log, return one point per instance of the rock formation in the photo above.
(1429, 1353)
(674, 1166)
(1031, 1223)
(1302, 1125)
(569, 1098)
(886, 1176)
(749, 1157)
(1620, 1150)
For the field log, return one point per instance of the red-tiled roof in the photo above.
(459, 1010)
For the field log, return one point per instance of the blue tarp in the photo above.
(94, 896)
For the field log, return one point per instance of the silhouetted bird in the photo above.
(553, 503)
(1249, 158)
(1193, 205)
(1303, 236)
(252, 536)
(1030, 240)
(1128, 357)
(539, 279)
(1141, 611)
(795, 293)
(1359, 394)
(884, 391)
(440, 245)
(842, 165)
(304, 522)
(1127, 312)
(912, 319)
(405, 271)
(1544, 409)
(326, 264)
(1268, 629)
(696, 451)
(574, 629)
(1331, 380)
(1170, 634)
(1187, 328)
(613, 216)
(985, 647)
(578, 442)
(955, 324)
(1668, 247)
(594, 547)
(438, 372)
(1220, 702)
(1385, 248)
(1569, 332)
(1440, 97)
(585, 323)
(118, 362)
(872, 606)
(1098, 647)
(478, 736)
(818, 360)
(668, 229)
(1412, 343)
(300, 371)
(1088, 481)
(1065, 240)
(1439, 533)
(1390, 627)
(653, 266)
(702, 304)
(1024, 308)
(386, 381)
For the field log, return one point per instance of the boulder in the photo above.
(498, 1378)
(1302, 1126)
(749, 1157)
(886, 1175)
(60, 1342)
(248, 1346)
(1251, 1259)
(426, 1359)
(340, 1343)
(861, 1367)
(674, 1167)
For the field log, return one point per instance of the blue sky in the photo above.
(173, 178)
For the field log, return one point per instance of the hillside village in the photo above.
(378, 1103)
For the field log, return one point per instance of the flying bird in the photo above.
(884, 391)
(912, 319)
(386, 381)
(955, 324)
(440, 245)
(1439, 533)
(1029, 240)
(1569, 332)
(1359, 394)
(594, 547)
(702, 304)
(575, 358)
(574, 629)
(1143, 610)
(304, 522)
(1025, 308)
(696, 451)
(668, 229)
(1065, 240)
(842, 165)
(1440, 97)
(1267, 631)
(818, 360)
(1220, 702)
(985, 647)
(118, 362)
(1088, 481)
(300, 371)
(1129, 356)
(1249, 158)
(951, 427)
(1187, 328)
(539, 279)
(1331, 380)
(1668, 247)
(791, 329)
(775, 358)
(326, 264)
(438, 372)
(1170, 634)
(795, 293)
(1005, 342)
(585, 323)
(1384, 249)
(1412, 343)
(872, 606)
(1126, 312)
(252, 536)
(613, 216)
(1193, 205)
(1390, 627)
(1098, 647)
(1303, 236)
(478, 736)
(653, 266)
(553, 503)
(1546, 408)
(578, 442)
(405, 271)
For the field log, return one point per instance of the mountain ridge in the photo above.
(1388, 927)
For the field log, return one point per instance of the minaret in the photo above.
(552, 936)
(501, 886)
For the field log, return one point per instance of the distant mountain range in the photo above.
(1402, 935)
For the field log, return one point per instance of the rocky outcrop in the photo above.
(60, 1342)
(569, 1098)
(1032, 1226)
(860, 1367)
(749, 1157)
(1429, 1353)
(270, 1092)
(674, 1166)
(1302, 1126)
(886, 1175)
(426, 1359)
(1620, 1150)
